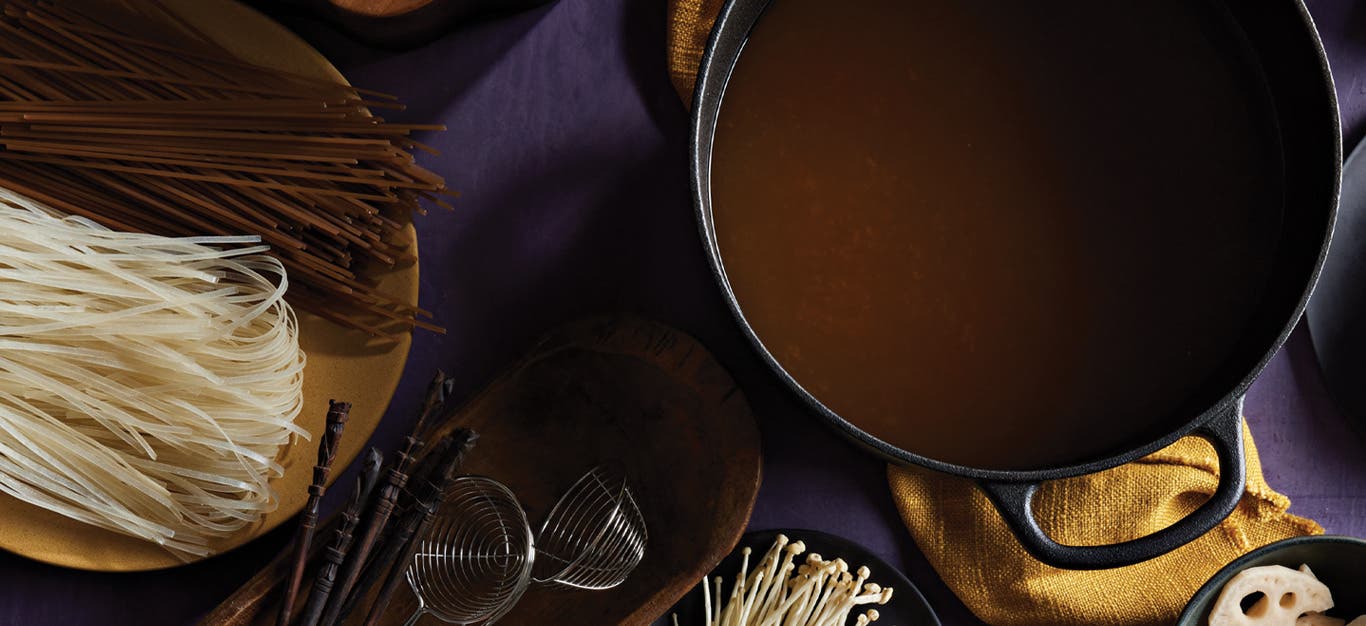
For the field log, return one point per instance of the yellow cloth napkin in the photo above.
(689, 26)
(968, 543)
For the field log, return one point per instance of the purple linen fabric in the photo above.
(570, 147)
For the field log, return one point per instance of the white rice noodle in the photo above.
(148, 384)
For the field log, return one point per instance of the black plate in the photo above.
(1337, 312)
(907, 608)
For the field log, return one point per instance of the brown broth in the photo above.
(1001, 234)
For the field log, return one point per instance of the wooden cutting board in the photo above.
(620, 389)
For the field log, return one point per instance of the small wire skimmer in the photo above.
(475, 562)
(479, 557)
(594, 536)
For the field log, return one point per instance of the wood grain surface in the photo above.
(613, 389)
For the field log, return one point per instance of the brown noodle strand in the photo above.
(175, 136)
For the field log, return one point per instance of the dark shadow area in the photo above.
(644, 48)
(483, 38)
(396, 32)
(1335, 450)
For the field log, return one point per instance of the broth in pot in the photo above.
(996, 234)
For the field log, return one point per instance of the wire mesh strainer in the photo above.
(594, 536)
(478, 557)
(475, 562)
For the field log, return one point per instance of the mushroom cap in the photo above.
(1287, 594)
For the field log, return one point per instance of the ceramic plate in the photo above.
(342, 364)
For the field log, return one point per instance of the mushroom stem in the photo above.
(779, 592)
(749, 601)
(716, 620)
(706, 602)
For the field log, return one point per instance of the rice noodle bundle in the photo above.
(147, 383)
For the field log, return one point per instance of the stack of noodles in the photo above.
(147, 383)
(170, 134)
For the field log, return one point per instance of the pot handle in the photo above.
(1224, 432)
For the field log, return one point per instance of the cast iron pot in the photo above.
(1283, 39)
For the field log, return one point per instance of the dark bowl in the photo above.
(907, 608)
(1340, 562)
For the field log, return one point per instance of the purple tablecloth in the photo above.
(569, 144)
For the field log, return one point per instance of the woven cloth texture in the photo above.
(970, 547)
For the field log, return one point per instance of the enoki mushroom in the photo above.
(781, 592)
(147, 383)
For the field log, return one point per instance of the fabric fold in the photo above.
(968, 544)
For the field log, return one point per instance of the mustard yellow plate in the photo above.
(342, 364)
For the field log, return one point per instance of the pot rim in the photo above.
(705, 103)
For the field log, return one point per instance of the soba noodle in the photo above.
(147, 383)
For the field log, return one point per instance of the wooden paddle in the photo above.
(618, 389)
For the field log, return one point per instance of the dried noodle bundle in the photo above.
(162, 131)
(147, 383)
